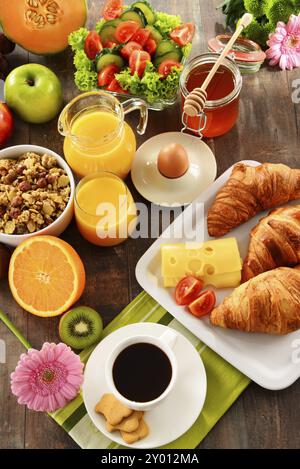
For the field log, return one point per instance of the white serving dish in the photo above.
(62, 222)
(272, 362)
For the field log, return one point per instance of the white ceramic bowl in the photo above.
(62, 222)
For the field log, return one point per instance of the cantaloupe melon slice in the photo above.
(42, 26)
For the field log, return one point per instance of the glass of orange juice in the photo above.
(97, 138)
(105, 211)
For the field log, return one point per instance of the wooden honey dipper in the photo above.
(195, 101)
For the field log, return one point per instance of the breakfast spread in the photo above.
(130, 423)
(268, 303)
(141, 53)
(249, 191)
(274, 242)
(34, 192)
(217, 263)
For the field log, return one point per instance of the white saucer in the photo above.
(174, 416)
(156, 188)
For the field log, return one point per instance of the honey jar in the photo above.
(222, 106)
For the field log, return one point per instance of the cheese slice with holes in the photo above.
(217, 263)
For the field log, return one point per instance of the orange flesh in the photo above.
(46, 278)
(42, 26)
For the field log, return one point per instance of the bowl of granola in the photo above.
(36, 193)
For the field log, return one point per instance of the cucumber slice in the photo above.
(147, 11)
(174, 55)
(154, 34)
(107, 58)
(108, 30)
(133, 15)
(164, 47)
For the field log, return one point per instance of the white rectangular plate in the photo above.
(272, 362)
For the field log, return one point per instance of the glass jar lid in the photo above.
(247, 54)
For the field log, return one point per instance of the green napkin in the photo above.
(224, 383)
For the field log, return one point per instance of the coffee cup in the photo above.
(141, 371)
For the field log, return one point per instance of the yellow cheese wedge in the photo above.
(217, 263)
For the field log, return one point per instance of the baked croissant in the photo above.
(249, 191)
(274, 242)
(269, 303)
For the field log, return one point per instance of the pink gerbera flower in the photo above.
(46, 380)
(284, 44)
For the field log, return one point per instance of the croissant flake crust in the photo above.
(268, 303)
(249, 191)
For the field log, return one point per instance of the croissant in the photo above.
(274, 242)
(249, 191)
(269, 303)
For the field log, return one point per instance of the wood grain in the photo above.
(268, 130)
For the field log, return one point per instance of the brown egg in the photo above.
(173, 161)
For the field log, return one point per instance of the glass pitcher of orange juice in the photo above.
(97, 138)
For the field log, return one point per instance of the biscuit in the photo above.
(113, 410)
(139, 434)
(129, 424)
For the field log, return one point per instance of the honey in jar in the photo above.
(222, 105)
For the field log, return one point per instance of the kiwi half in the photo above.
(81, 327)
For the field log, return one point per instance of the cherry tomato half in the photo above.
(141, 36)
(150, 46)
(127, 50)
(138, 62)
(116, 87)
(166, 66)
(125, 31)
(110, 45)
(187, 290)
(92, 45)
(107, 75)
(112, 9)
(203, 305)
(183, 34)
(6, 123)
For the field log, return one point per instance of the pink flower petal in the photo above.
(29, 385)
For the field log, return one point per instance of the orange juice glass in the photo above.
(105, 211)
(97, 138)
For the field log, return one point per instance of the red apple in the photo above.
(6, 123)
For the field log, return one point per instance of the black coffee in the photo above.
(142, 372)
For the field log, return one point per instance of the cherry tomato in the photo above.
(116, 87)
(112, 9)
(110, 45)
(203, 305)
(141, 36)
(187, 290)
(166, 66)
(6, 123)
(183, 34)
(150, 46)
(129, 48)
(125, 31)
(92, 45)
(138, 62)
(107, 75)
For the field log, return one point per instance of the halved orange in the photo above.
(46, 276)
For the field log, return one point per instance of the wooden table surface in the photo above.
(267, 131)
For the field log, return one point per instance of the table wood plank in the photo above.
(268, 130)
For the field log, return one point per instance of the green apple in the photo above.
(34, 92)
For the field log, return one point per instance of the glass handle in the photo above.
(136, 104)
